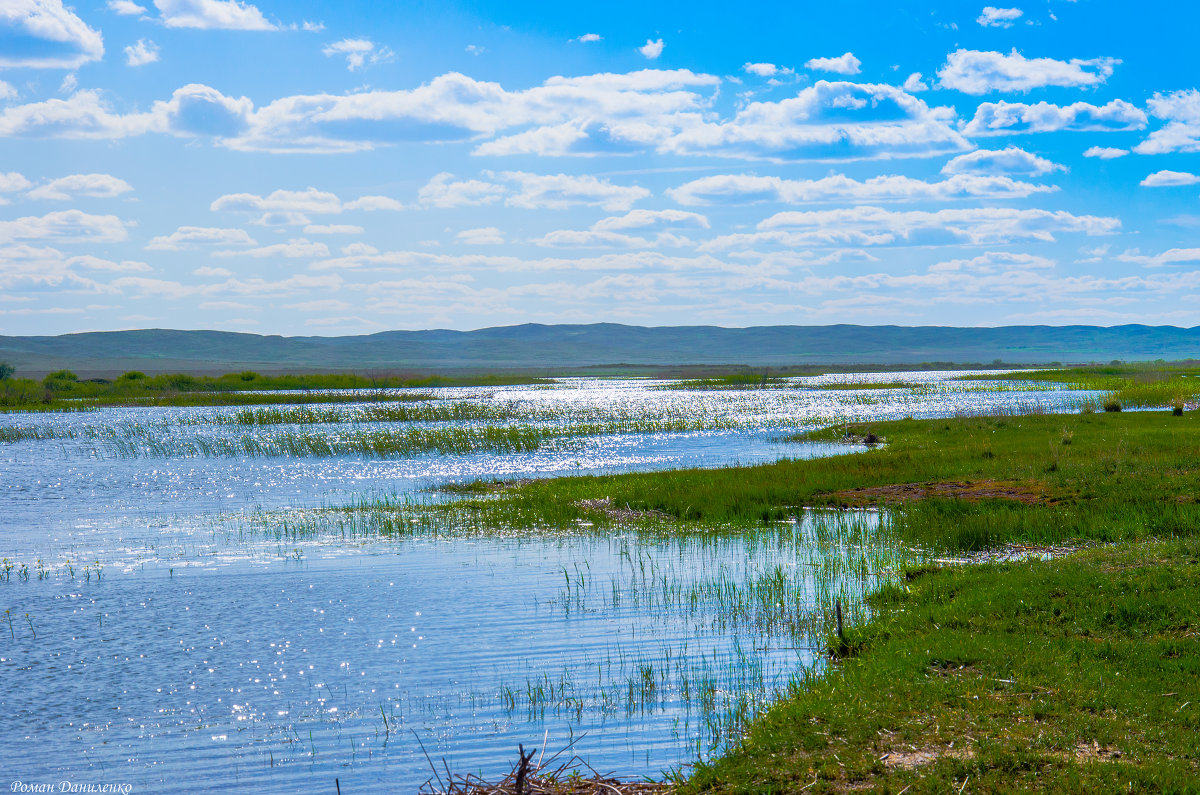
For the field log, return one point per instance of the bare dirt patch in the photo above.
(911, 758)
(1030, 493)
(1093, 752)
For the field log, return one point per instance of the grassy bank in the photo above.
(1077, 674)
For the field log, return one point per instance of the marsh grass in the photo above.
(1150, 385)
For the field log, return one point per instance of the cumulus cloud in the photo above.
(483, 236)
(309, 200)
(588, 37)
(1161, 179)
(866, 226)
(373, 203)
(828, 120)
(293, 249)
(643, 219)
(993, 17)
(844, 64)
(444, 191)
(662, 111)
(358, 52)
(11, 182)
(212, 15)
(125, 7)
(560, 191)
(186, 237)
(43, 34)
(1105, 152)
(332, 229)
(1006, 118)
(914, 84)
(1169, 257)
(1181, 133)
(976, 72)
(651, 49)
(65, 225)
(766, 69)
(141, 53)
(1009, 160)
(95, 185)
(744, 189)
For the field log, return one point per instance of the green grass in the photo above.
(1130, 385)
(1119, 476)
(1078, 675)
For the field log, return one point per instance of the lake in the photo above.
(161, 632)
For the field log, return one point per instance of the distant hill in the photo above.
(565, 347)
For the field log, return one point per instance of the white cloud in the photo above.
(1170, 257)
(993, 17)
(141, 53)
(1009, 160)
(866, 226)
(65, 225)
(1105, 152)
(332, 229)
(7, 91)
(442, 191)
(1160, 179)
(89, 262)
(844, 64)
(743, 189)
(293, 249)
(95, 185)
(483, 236)
(976, 72)
(587, 238)
(43, 34)
(372, 203)
(31, 266)
(1181, 111)
(125, 7)
(358, 52)
(69, 84)
(475, 49)
(208, 270)
(642, 219)
(828, 120)
(651, 49)
(12, 182)
(560, 191)
(212, 14)
(914, 84)
(763, 69)
(1006, 118)
(309, 200)
(199, 110)
(589, 37)
(663, 111)
(188, 236)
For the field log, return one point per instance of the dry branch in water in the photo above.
(574, 777)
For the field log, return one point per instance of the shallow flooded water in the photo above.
(149, 637)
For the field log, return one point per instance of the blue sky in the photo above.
(318, 168)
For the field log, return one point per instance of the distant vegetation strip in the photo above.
(1149, 385)
(62, 390)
